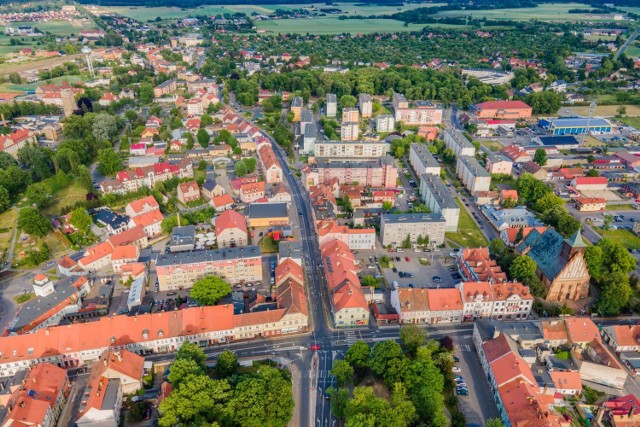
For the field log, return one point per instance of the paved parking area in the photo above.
(479, 405)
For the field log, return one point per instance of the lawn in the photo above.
(544, 12)
(623, 207)
(7, 223)
(68, 196)
(491, 145)
(468, 234)
(633, 51)
(626, 238)
(332, 25)
(268, 245)
(65, 28)
(631, 121)
(55, 241)
(57, 80)
(605, 110)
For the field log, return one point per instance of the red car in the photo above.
(315, 347)
(407, 259)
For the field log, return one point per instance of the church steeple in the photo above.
(573, 245)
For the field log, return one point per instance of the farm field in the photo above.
(8, 68)
(544, 12)
(605, 110)
(65, 28)
(336, 26)
(32, 86)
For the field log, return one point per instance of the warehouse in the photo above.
(575, 125)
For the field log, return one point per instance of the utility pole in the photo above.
(592, 109)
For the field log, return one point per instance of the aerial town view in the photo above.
(288, 213)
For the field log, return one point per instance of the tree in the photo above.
(145, 94)
(591, 159)
(7, 160)
(109, 162)
(206, 120)
(81, 220)
(83, 177)
(347, 101)
(339, 399)
(34, 257)
(519, 235)
(39, 195)
(387, 205)
(343, 372)
(540, 157)
(594, 257)
(348, 208)
(181, 369)
(209, 290)
(189, 350)
(5, 202)
(104, 127)
(615, 257)
(406, 243)
(548, 201)
(412, 338)
(546, 102)
(37, 159)
(203, 137)
(530, 189)
(190, 141)
(621, 110)
(250, 163)
(14, 179)
(198, 400)
(509, 203)
(522, 268)
(615, 294)
(493, 422)
(358, 355)
(31, 221)
(227, 364)
(240, 169)
(382, 354)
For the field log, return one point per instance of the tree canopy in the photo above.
(209, 290)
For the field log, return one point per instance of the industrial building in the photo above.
(575, 125)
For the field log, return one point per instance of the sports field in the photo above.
(336, 26)
(544, 12)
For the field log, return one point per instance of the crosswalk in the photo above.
(462, 347)
(350, 337)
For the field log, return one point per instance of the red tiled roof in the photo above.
(230, 219)
(500, 105)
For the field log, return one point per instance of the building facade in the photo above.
(473, 176)
(395, 228)
(439, 200)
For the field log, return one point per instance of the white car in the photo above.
(456, 369)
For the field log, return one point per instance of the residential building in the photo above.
(575, 126)
(350, 115)
(380, 173)
(252, 191)
(331, 105)
(267, 214)
(14, 141)
(290, 249)
(619, 411)
(101, 403)
(445, 305)
(135, 179)
(422, 160)
(349, 131)
(502, 110)
(270, 165)
(516, 153)
(589, 183)
(590, 204)
(181, 269)
(366, 105)
(306, 118)
(39, 400)
(188, 192)
(560, 263)
(438, 199)
(183, 238)
(473, 176)
(395, 228)
(354, 238)
(502, 219)
(122, 255)
(348, 305)
(350, 149)
(498, 164)
(420, 113)
(476, 265)
(150, 222)
(455, 140)
(165, 88)
(385, 123)
(231, 229)
(296, 108)
(309, 138)
(412, 305)
(211, 189)
(430, 133)
(221, 203)
(622, 338)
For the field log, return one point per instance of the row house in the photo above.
(252, 191)
(270, 165)
(504, 300)
(429, 306)
(135, 179)
(354, 238)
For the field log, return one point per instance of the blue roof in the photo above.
(209, 184)
(578, 122)
(559, 140)
(108, 217)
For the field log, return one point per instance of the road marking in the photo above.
(462, 347)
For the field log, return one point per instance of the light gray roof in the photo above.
(411, 218)
(474, 167)
(207, 256)
(183, 235)
(439, 190)
(290, 249)
(331, 97)
(425, 156)
(382, 161)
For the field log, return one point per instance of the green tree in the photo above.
(145, 94)
(530, 189)
(540, 157)
(358, 355)
(104, 127)
(522, 268)
(493, 422)
(109, 162)
(226, 364)
(14, 179)
(594, 257)
(206, 120)
(203, 137)
(83, 177)
(548, 201)
(240, 169)
(190, 141)
(412, 338)
(31, 221)
(198, 400)
(406, 243)
(39, 195)
(387, 205)
(615, 294)
(5, 202)
(343, 372)
(591, 159)
(347, 101)
(250, 163)
(7, 160)
(382, 355)
(81, 220)
(181, 369)
(339, 400)
(209, 290)
(593, 173)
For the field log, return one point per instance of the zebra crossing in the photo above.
(462, 347)
(350, 337)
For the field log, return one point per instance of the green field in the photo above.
(65, 28)
(334, 26)
(626, 238)
(631, 121)
(633, 51)
(32, 86)
(468, 234)
(544, 12)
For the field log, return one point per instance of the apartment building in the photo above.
(503, 300)
(296, 108)
(422, 160)
(366, 105)
(474, 177)
(355, 238)
(438, 199)
(350, 149)
(165, 88)
(418, 114)
(514, 110)
(349, 131)
(309, 138)
(498, 163)
(331, 105)
(385, 123)
(590, 204)
(270, 164)
(394, 228)
(181, 269)
(380, 173)
(252, 191)
(455, 140)
(147, 176)
(188, 191)
(14, 141)
(348, 304)
(350, 115)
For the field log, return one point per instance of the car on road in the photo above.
(462, 392)
(456, 359)
(395, 270)
(455, 369)
(411, 285)
(452, 269)
(436, 279)
(407, 259)
(171, 294)
(315, 347)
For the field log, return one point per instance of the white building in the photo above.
(459, 143)
(351, 149)
(439, 200)
(349, 131)
(474, 177)
(394, 228)
(385, 123)
(331, 105)
(422, 160)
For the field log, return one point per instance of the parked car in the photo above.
(436, 279)
(407, 259)
(456, 359)
(456, 370)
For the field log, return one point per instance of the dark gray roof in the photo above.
(439, 190)
(411, 218)
(185, 235)
(209, 184)
(306, 116)
(290, 249)
(207, 256)
(111, 218)
(266, 210)
(425, 156)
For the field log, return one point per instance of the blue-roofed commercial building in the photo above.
(575, 125)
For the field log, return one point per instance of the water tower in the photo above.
(86, 50)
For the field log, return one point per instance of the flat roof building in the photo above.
(459, 143)
(422, 160)
(183, 238)
(394, 228)
(267, 214)
(575, 125)
(438, 199)
(474, 177)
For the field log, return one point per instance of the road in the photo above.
(626, 44)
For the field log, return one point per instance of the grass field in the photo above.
(7, 223)
(633, 51)
(468, 235)
(631, 121)
(544, 12)
(334, 26)
(625, 237)
(622, 207)
(32, 86)
(604, 110)
(55, 241)
(66, 197)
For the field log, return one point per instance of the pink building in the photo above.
(379, 173)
